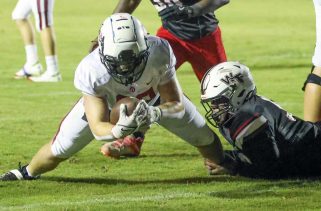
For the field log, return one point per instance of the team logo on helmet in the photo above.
(232, 79)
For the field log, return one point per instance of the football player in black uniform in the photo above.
(268, 141)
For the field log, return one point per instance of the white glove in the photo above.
(153, 114)
(141, 117)
(126, 125)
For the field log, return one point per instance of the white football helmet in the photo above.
(123, 48)
(224, 88)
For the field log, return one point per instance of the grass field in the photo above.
(274, 38)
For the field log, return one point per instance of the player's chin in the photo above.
(223, 118)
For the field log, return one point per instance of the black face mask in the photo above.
(127, 68)
(218, 110)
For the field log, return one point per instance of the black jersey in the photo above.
(188, 29)
(274, 142)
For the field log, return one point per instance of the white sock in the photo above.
(31, 54)
(29, 172)
(52, 64)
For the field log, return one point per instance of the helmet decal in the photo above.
(232, 79)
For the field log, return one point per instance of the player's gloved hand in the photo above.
(142, 108)
(126, 125)
(176, 13)
(153, 114)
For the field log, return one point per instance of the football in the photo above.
(130, 104)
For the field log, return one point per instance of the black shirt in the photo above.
(188, 29)
(274, 142)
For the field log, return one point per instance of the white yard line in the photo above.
(159, 197)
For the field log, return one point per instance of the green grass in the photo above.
(274, 38)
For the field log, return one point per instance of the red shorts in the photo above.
(201, 54)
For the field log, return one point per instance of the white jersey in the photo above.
(92, 78)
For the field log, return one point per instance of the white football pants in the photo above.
(42, 11)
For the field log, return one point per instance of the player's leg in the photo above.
(206, 52)
(193, 129)
(180, 52)
(20, 16)
(312, 95)
(43, 13)
(43, 161)
(72, 136)
(28, 37)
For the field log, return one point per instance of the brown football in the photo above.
(130, 103)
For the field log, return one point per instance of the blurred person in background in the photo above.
(43, 15)
(312, 86)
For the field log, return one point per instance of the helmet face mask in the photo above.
(218, 109)
(225, 88)
(122, 48)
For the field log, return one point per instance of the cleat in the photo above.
(11, 176)
(17, 174)
(130, 146)
(25, 72)
(47, 77)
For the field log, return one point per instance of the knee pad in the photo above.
(312, 78)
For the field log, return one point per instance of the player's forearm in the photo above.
(213, 151)
(102, 131)
(127, 6)
(97, 116)
(206, 6)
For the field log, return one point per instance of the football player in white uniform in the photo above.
(192, 30)
(43, 15)
(312, 86)
(127, 63)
